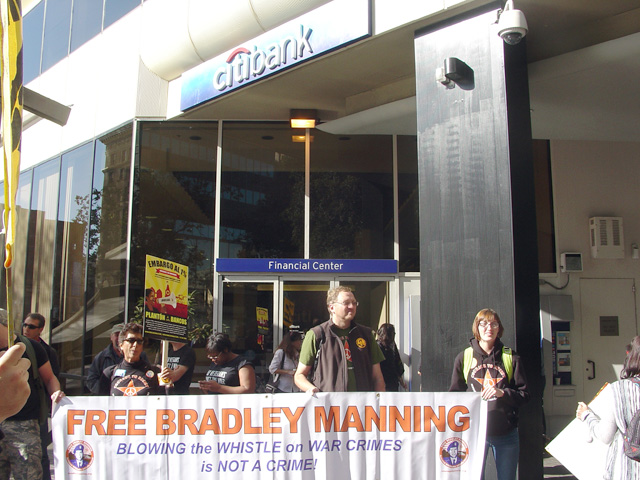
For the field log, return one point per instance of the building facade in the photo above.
(153, 160)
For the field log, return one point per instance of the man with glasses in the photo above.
(340, 355)
(32, 328)
(133, 376)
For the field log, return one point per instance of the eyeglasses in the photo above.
(484, 324)
(133, 340)
(347, 304)
(214, 357)
(30, 326)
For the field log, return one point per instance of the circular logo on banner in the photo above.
(79, 455)
(454, 452)
(361, 342)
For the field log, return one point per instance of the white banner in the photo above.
(330, 436)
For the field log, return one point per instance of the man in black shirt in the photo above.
(181, 361)
(21, 450)
(32, 328)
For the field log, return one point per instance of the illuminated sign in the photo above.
(318, 32)
(300, 265)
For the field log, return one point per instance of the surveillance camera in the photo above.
(512, 24)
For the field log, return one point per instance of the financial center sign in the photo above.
(318, 32)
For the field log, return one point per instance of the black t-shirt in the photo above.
(185, 356)
(131, 380)
(228, 374)
(31, 409)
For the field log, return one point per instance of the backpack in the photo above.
(37, 381)
(507, 362)
(631, 437)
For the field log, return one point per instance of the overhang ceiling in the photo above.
(584, 62)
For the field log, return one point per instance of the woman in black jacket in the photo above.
(487, 366)
(392, 367)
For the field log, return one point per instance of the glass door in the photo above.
(248, 318)
(304, 304)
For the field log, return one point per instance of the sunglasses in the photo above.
(30, 326)
(133, 340)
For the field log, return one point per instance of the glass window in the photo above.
(67, 315)
(262, 206)
(38, 294)
(351, 196)
(116, 9)
(86, 21)
(32, 42)
(174, 209)
(23, 202)
(56, 32)
(408, 204)
(373, 299)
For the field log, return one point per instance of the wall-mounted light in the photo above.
(305, 118)
(635, 252)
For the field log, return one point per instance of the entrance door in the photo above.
(248, 317)
(304, 304)
(608, 325)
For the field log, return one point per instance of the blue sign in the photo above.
(326, 28)
(300, 265)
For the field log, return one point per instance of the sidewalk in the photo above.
(555, 470)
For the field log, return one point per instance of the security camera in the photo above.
(512, 24)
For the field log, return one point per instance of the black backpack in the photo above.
(631, 438)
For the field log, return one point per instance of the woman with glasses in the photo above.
(492, 369)
(229, 372)
(133, 376)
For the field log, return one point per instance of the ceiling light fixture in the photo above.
(303, 118)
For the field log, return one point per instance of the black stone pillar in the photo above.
(477, 208)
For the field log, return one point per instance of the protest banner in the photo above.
(166, 299)
(331, 435)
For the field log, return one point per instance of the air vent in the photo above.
(607, 238)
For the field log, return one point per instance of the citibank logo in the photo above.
(331, 26)
(243, 64)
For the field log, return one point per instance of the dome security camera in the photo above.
(512, 24)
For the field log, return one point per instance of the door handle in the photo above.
(593, 369)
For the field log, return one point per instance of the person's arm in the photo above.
(50, 382)
(275, 361)
(602, 427)
(103, 385)
(308, 354)
(301, 380)
(378, 379)
(458, 383)
(516, 393)
(177, 374)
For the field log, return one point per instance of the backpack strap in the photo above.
(320, 341)
(37, 380)
(507, 362)
(466, 362)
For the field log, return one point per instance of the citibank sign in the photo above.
(318, 32)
